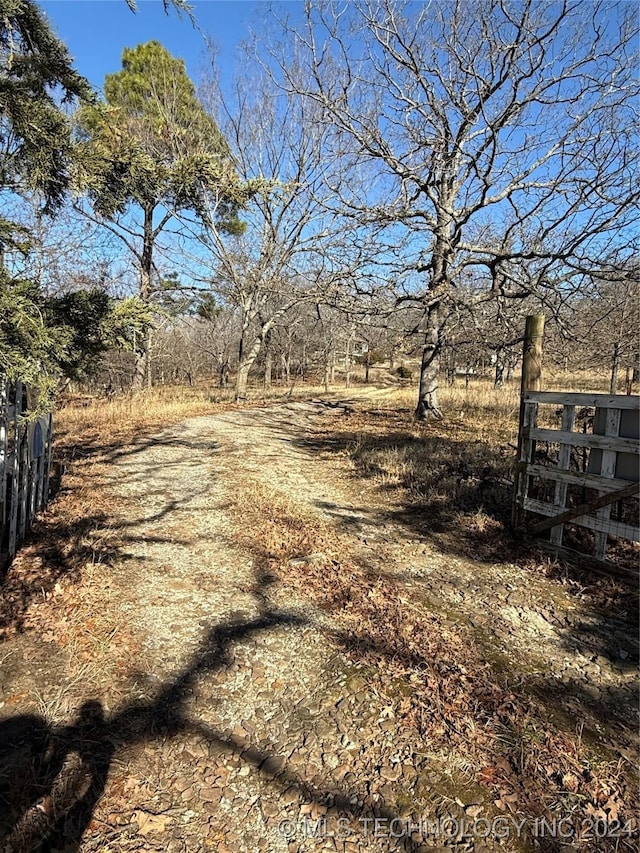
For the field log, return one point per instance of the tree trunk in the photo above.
(246, 360)
(268, 362)
(224, 374)
(450, 368)
(615, 366)
(498, 381)
(428, 405)
(347, 363)
(241, 382)
(367, 365)
(325, 377)
(243, 368)
(148, 379)
(286, 369)
(142, 372)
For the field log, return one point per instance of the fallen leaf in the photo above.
(148, 823)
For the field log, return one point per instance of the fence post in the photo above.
(531, 381)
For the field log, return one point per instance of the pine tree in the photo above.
(35, 134)
(150, 149)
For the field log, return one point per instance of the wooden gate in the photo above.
(25, 459)
(576, 464)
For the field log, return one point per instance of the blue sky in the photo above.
(96, 31)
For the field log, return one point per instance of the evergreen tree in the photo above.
(35, 73)
(43, 339)
(150, 148)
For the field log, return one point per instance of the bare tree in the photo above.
(606, 323)
(291, 246)
(498, 135)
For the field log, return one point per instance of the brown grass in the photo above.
(459, 466)
(434, 675)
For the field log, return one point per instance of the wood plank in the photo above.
(47, 464)
(578, 439)
(15, 470)
(615, 528)
(575, 478)
(602, 401)
(23, 491)
(608, 472)
(631, 490)
(4, 450)
(33, 490)
(40, 483)
(5, 469)
(564, 463)
(526, 448)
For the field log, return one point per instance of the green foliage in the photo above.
(126, 324)
(152, 143)
(44, 339)
(404, 372)
(27, 345)
(14, 236)
(89, 323)
(208, 308)
(178, 5)
(171, 299)
(35, 70)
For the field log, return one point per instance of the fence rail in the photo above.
(579, 476)
(25, 460)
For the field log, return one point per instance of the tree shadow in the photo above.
(456, 496)
(67, 767)
(57, 549)
(60, 543)
(52, 777)
(453, 493)
(442, 486)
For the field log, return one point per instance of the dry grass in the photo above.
(91, 422)
(434, 674)
(458, 469)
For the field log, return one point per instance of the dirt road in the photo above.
(219, 708)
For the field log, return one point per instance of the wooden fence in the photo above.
(25, 459)
(576, 464)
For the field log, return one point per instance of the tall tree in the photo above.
(291, 246)
(35, 75)
(498, 135)
(148, 152)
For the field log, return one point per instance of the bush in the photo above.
(404, 372)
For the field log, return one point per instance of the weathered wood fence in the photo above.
(25, 459)
(578, 464)
(577, 476)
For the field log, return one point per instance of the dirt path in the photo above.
(230, 719)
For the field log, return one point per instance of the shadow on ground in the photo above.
(66, 538)
(51, 778)
(455, 495)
